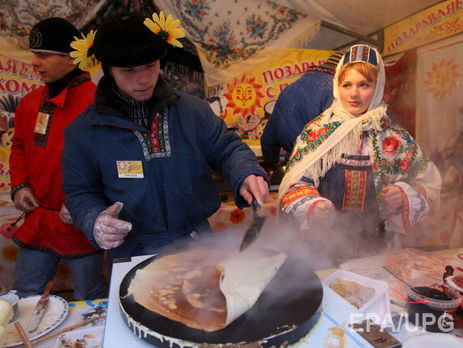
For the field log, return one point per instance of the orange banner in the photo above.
(16, 80)
(437, 22)
(246, 101)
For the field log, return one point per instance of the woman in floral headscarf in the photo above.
(352, 159)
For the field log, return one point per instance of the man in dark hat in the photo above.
(298, 103)
(138, 163)
(47, 234)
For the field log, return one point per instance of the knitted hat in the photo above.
(124, 41)
(361, 53)
(334, 59)
(52, 35)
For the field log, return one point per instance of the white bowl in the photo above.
(453, 280)
(378, 307)
(433, 340)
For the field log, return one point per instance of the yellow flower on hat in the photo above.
(166, 28)
(83, 54)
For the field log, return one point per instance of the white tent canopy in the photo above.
(342, 22)
(364, 17)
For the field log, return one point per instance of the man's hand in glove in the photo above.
(109, 231)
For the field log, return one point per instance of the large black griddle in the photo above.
(287, 309)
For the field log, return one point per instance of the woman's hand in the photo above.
(322, 215)
(393, 197)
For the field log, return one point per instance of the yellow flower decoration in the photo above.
(83, 54)
(166, 28)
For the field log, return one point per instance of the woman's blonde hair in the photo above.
(370, 72)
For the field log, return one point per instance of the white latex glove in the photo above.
(24, 200)
(109, 231)
(392, 195)
(65, 216)
(254, 186)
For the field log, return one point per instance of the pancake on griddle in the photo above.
(205, 289)
(183, 287)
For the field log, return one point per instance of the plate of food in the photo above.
(406, 264)
(56, 311)
(365, 295)
(91, 337)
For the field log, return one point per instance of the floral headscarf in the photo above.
(336, 129)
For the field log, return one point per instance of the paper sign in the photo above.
(41, 123)
(129, 169)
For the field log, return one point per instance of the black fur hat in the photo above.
(52, 35)
(124, 41)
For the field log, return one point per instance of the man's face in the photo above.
(51, 67)
(137, 82)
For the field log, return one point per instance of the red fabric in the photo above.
(400, 91)
(40, 168)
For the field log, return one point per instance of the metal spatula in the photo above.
(253, 231)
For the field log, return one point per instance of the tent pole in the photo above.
(348, 32)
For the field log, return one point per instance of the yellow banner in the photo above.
(435, 23)
(16, 80)
(246, 102)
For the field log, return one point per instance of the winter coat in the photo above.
(35, 162)
(299, 103)
(163, 175)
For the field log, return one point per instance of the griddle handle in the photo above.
(255, 205)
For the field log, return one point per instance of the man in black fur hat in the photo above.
(47, 234)
(138, 163)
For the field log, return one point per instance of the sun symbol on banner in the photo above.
(441, 79)
(244, 95)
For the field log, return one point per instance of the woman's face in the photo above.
(356, 92)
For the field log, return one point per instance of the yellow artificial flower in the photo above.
(83, 54)
(166, 28)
